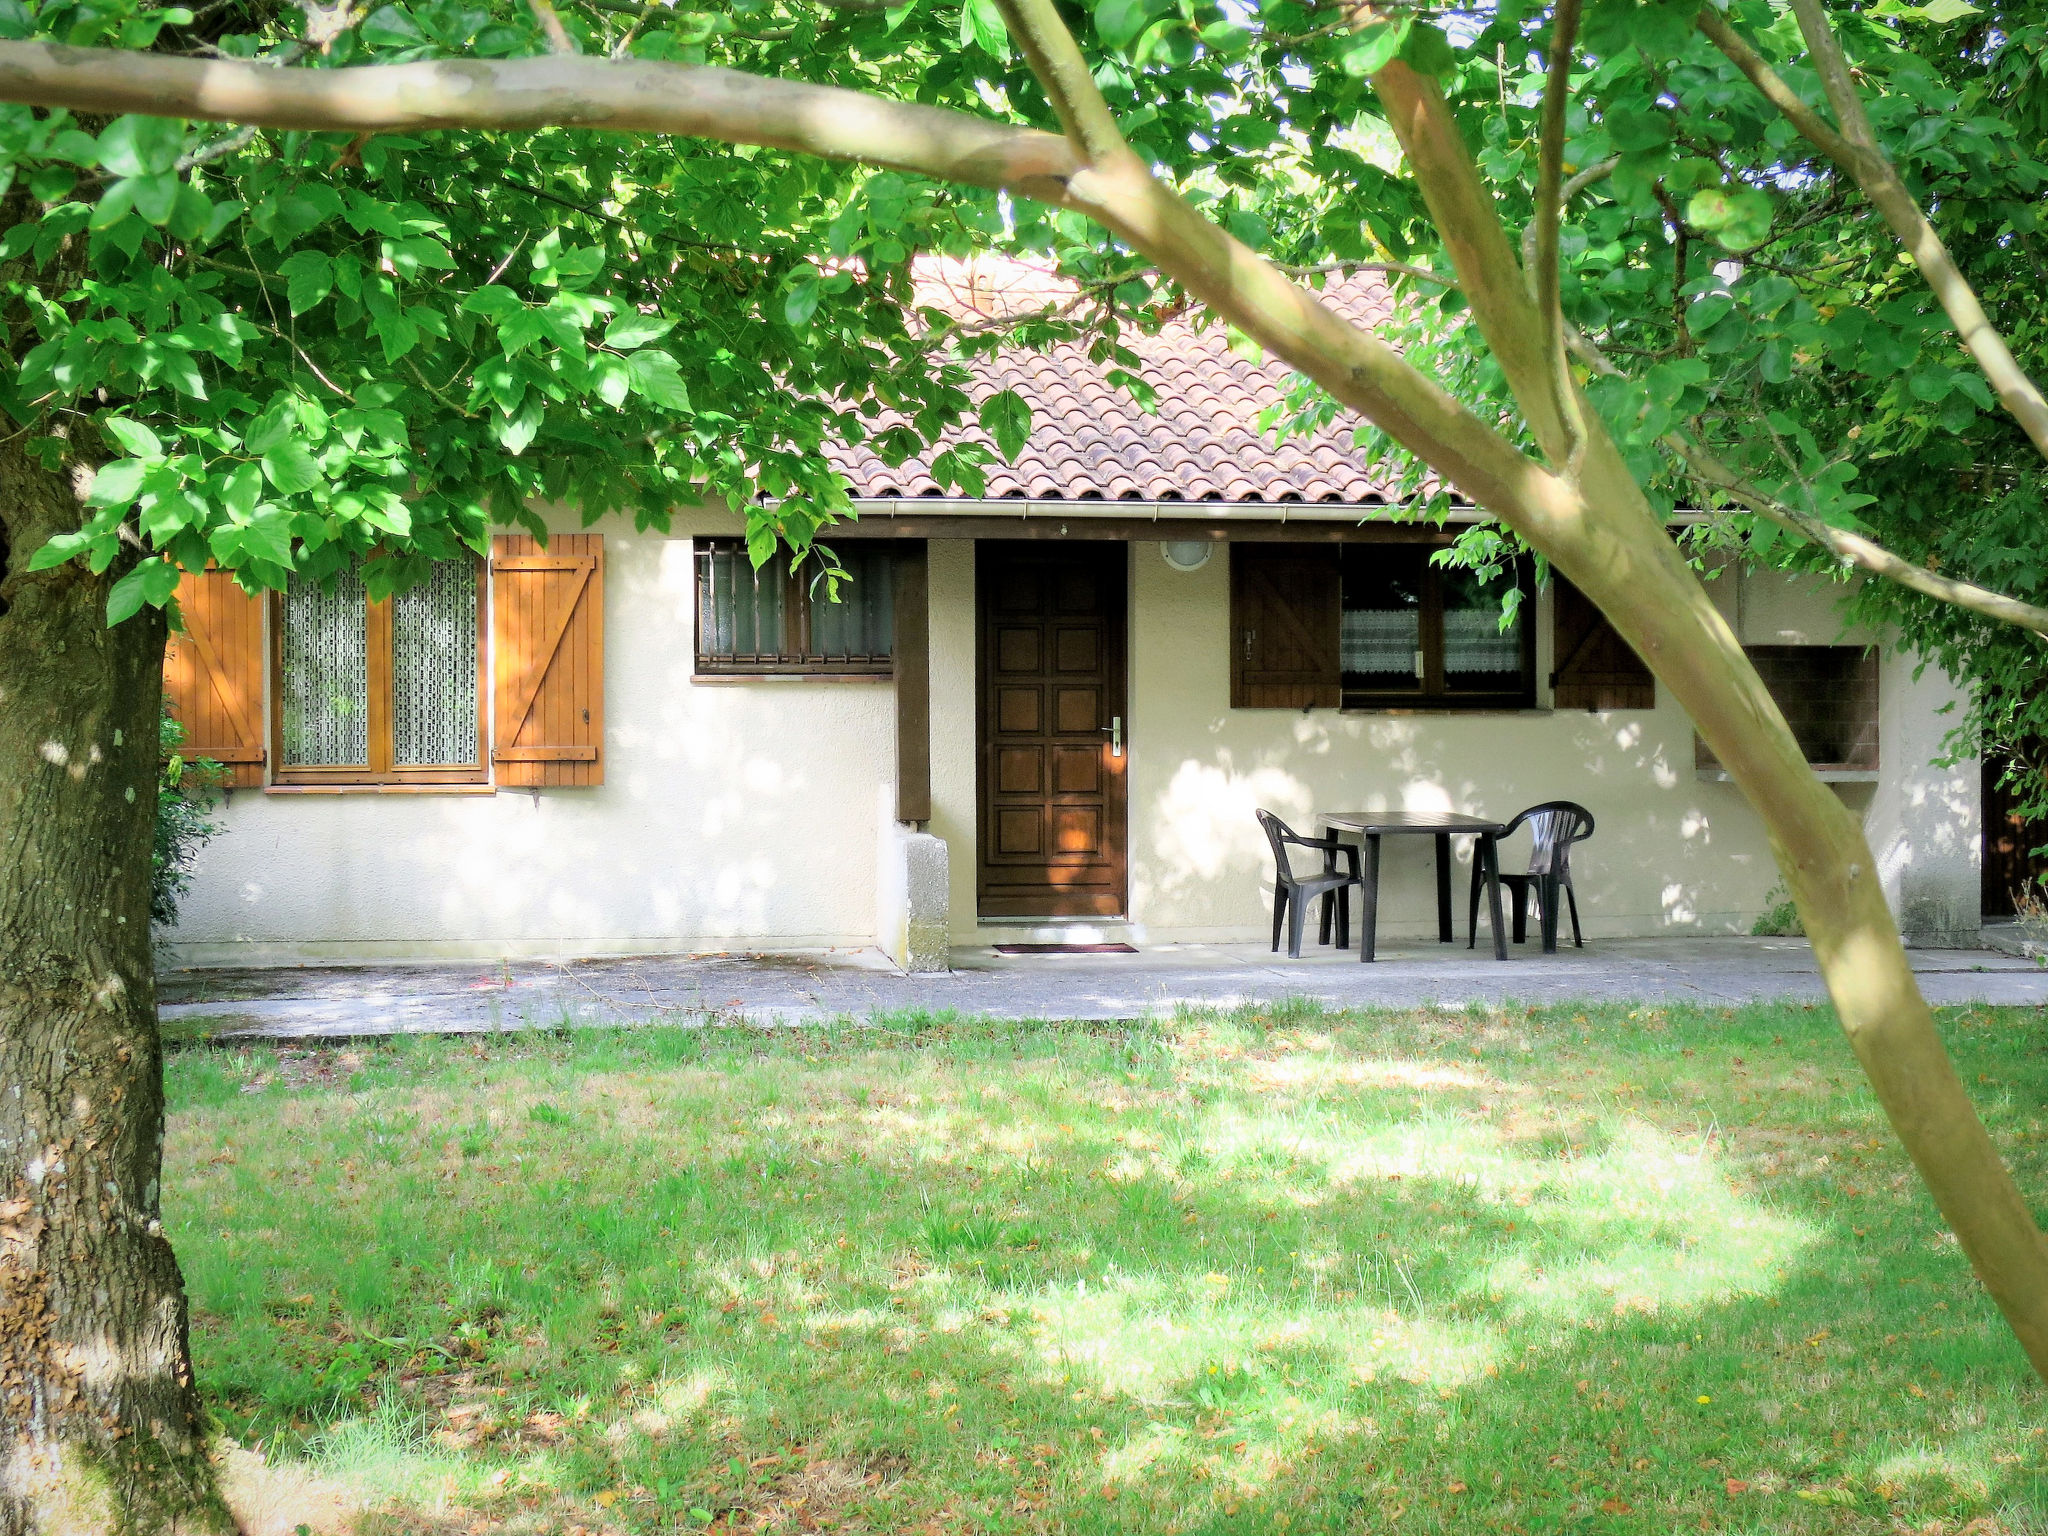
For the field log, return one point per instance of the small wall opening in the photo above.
(1829, 696)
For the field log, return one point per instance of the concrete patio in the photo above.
(344, 1001)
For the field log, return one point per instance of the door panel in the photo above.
(1052, 790)
(2010, 865)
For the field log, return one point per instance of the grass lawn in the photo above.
(1591, 1270)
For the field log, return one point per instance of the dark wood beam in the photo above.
(912, 654)
(1129, 529)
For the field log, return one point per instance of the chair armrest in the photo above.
(1326, 844)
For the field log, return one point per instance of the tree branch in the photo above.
(1565, 194)
(1391, 268)
(1465, 215)
(559, 41)
(1069, 83)
(1544, 276)
(622, 94)
(1852, 549)
(1856, 151)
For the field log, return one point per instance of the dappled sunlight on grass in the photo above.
(1477, 1271)
(387, 1457)
(1646, 1224)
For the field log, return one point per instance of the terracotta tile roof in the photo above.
(1091, 441)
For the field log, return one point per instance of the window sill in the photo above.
(380, 789)
(1468, 711)
(1825, 773)
(792, 677)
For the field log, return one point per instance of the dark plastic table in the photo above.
(1371, 826)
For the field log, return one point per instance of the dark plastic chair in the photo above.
(1292, 892)
(1556, 825)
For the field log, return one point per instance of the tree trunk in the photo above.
(100, 1428)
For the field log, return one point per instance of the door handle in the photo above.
(1116, 735)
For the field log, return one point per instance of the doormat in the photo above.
(1065, 949)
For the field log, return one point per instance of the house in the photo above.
(1051, 708)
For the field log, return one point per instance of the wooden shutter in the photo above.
(1285, 602)
(547, 659)
(1594, 667)
(213, 675)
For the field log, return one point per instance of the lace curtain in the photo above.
(433, 669)
(1382, 641)
(326, 672)
(325, 682)
(1473, 642)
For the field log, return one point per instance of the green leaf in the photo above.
(1118, 22)
(309, 278)
(633, 329)
(168, 516)
(494, 302)
(183, 375)
(419, 254)
(114, 204)
(1007, 418)
(609, 378)
(1737, 217)
(802, 301)
(117, 484)
(515, 433)
(61, 547)
(192, 216)
(1972, 383)
(1374, 48)
(52, 183)
(274, 426)
(1225, 38)
(155, 196)
(1705, 312)
(519, 331)
(243, 489)
(982, 25)
(266, 536)
(141, 146)
(133, 436)
(656, 379)
(291, 468)
(151, 582)
(398, 334)
(1931, 383)
(1427, 51)
(391, 27)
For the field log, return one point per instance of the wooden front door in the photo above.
(2010, 865)
(1050, 728)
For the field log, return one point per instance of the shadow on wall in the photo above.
(1670, 852)
(1927, 845)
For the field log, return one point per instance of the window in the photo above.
(383, 692)
(1412, 632)
(1829, 696)
(1373, 625)
(763, 623)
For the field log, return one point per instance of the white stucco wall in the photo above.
(1925, 822)
(1669, 851)
(1673, 852)
(748, 815)
(733, 815)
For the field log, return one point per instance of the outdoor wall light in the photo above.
(1187, 554)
